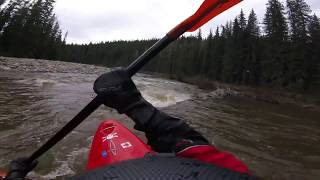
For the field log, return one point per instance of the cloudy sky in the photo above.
(107, 20)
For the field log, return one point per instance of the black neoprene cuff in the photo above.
(164, 133)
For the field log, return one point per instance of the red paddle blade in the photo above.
(210, 9)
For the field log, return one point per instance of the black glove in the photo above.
(19, 168)
(117, 90)
(163, 132)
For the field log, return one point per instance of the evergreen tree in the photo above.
(299, 14)
(5, 15)
(206, 64)
(314, 46)
(275, 25)
(213, 66)
(12, 30)
(300, 60)
(242, 20)
(240, 48)
(229, 57)
(274, 62)
(253, 28)
(253, 66)
(30, 29)
(199, 35)
(314, 29)
(219, 52)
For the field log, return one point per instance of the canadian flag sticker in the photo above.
(126, 145)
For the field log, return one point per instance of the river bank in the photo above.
(42, 65)
(304, 99)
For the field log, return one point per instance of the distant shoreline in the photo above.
(265, 94)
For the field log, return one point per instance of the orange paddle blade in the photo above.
(210, 9)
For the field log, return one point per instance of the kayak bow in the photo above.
(115, 143)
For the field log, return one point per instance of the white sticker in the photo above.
(113, 148)
(110, 137)
(126, 145)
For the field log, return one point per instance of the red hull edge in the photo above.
(114, 143)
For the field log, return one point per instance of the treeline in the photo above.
(30, 29)
(283, 51)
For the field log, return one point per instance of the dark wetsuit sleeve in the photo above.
(169, 134)
(162, 131)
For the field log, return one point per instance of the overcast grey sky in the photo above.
(107, 20)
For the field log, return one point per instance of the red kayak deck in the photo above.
(114, 143)
(2, 174)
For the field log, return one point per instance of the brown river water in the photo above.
(39, 97)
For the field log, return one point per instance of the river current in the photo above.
(276, 141)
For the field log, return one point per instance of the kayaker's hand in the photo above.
(117, 90)
(19, 168)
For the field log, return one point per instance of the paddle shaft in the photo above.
(132, 69)
(82, 115)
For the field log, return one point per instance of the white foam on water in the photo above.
(40, 82)
(66, 167)
(63, 170)
(6, 68)
(162, 92)
(164, 98)
(218, 93)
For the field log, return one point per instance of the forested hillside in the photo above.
(30, 29)
(280, 51)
